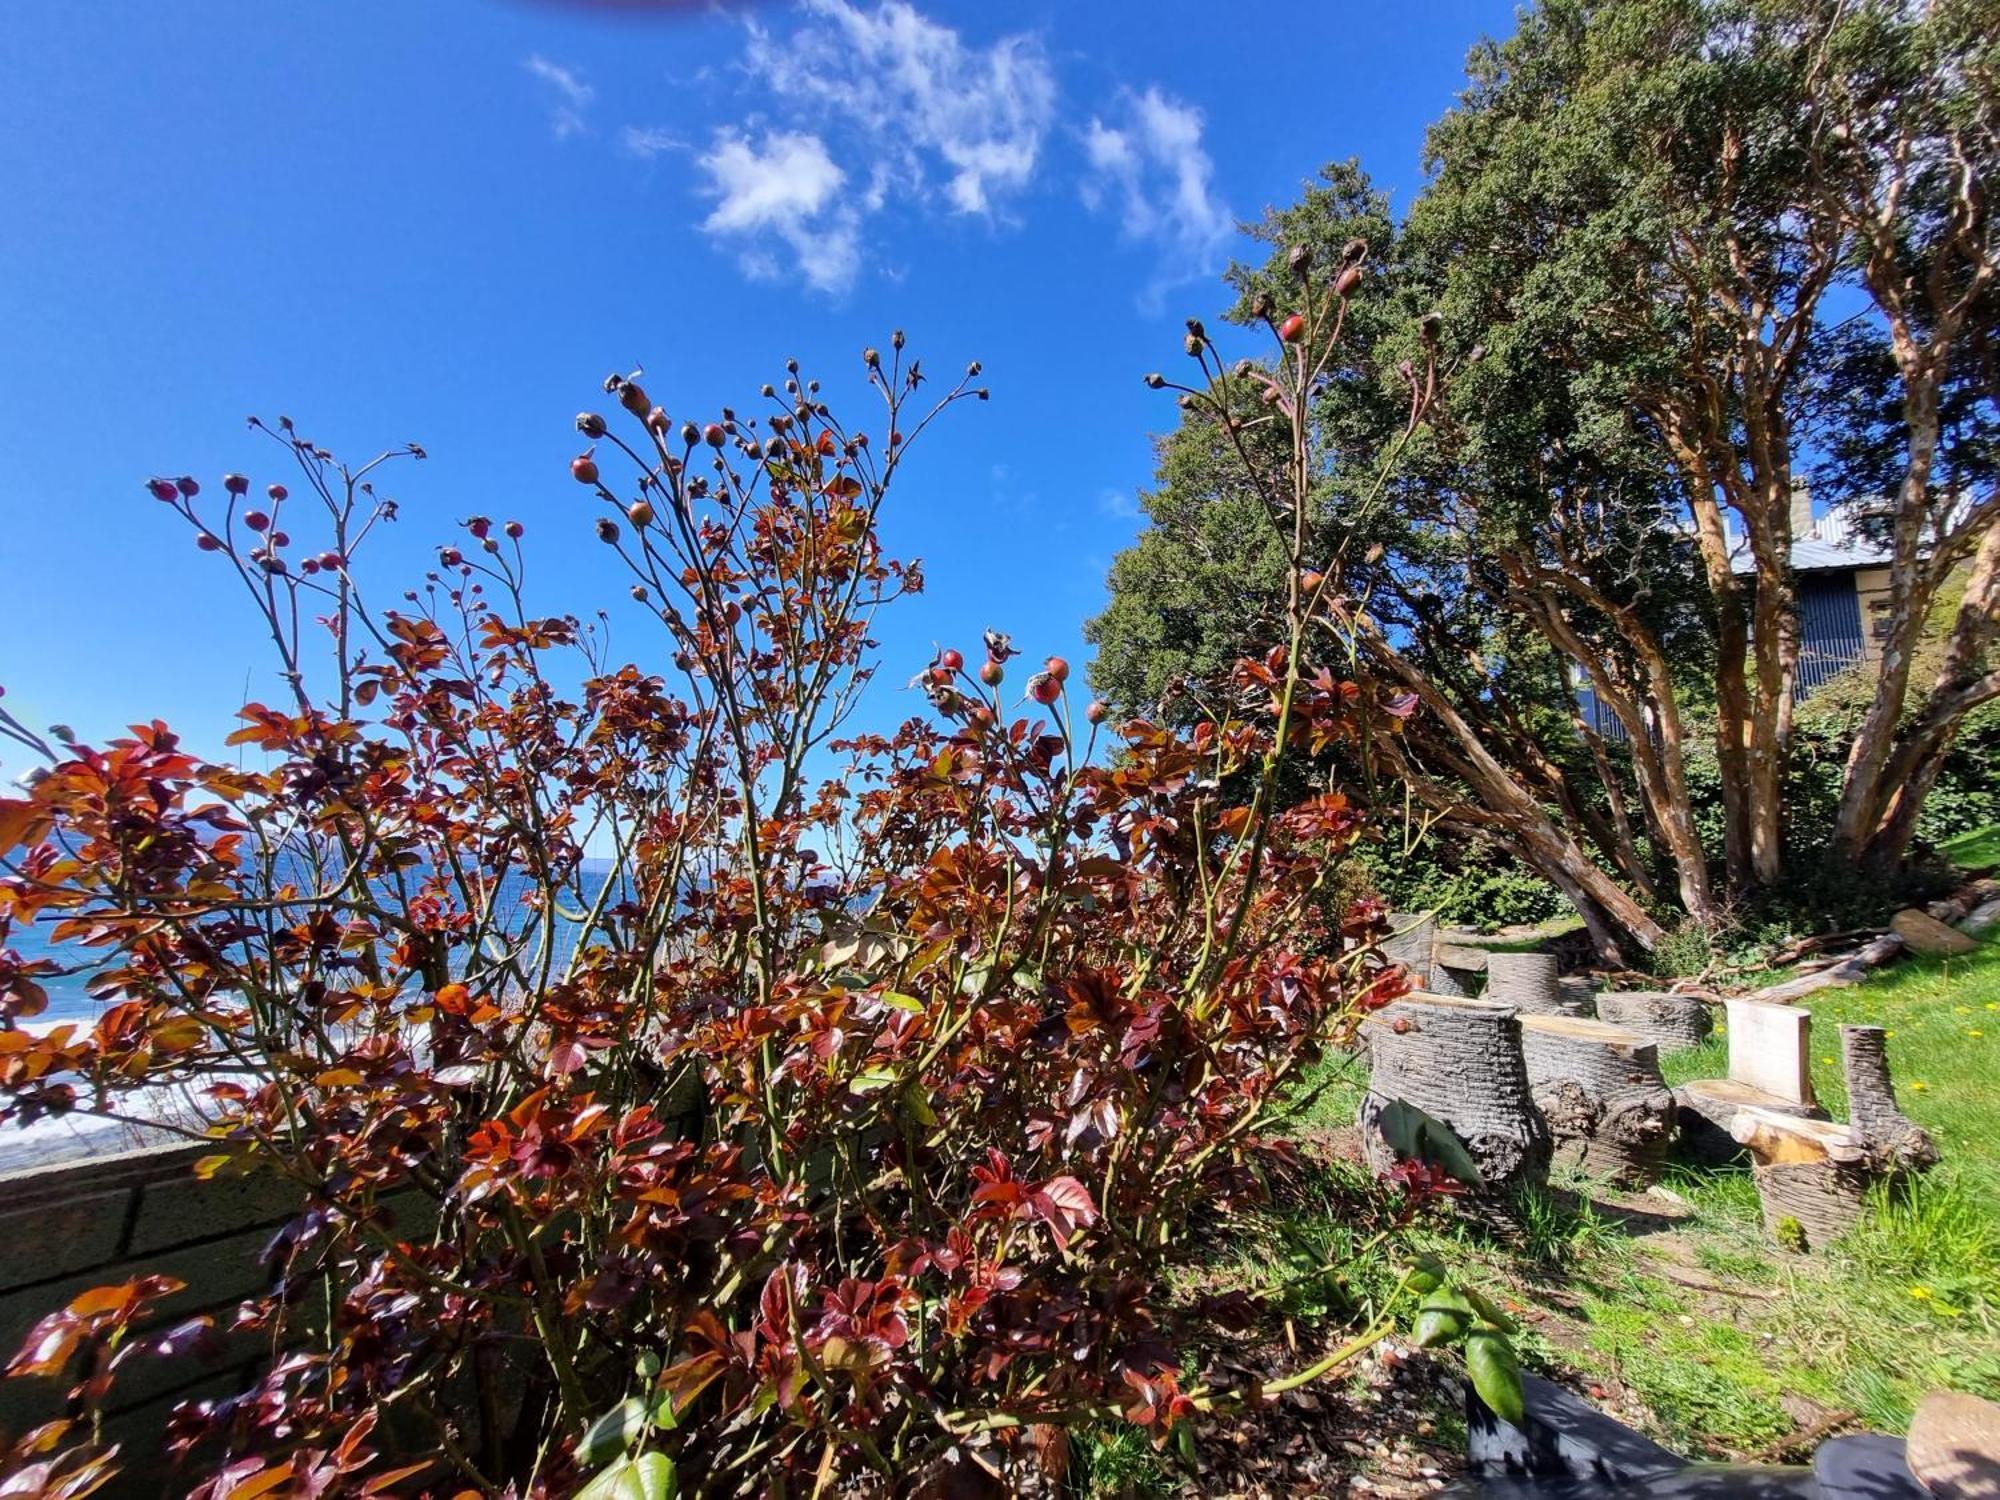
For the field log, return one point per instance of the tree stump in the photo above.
(1529, 982)
(1599, 1087)
(1412, 942)
(1579, 994)
(1897, 1141)
(1460, 1062)
(1813, 1176)
(1678, 1023)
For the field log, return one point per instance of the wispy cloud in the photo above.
(1147, 165)
(649, 141)
(1122, 505)
(782, 186)
(859, 108)
(570, 96)
(911, 88)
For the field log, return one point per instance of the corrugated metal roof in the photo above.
(1835, 541)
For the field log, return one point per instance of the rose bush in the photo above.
(680, 1090)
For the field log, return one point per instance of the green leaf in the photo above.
(613, 1433)
(1496, 1374)
(1426, 1273)
(917, 1100)
(868, 1080)
(652, 1477)
(902, 1001)
(1488, 1310)
(1416, 1136)
(1438, 1325)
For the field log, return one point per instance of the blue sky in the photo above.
(447, 222)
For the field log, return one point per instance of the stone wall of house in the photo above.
(75, 1225)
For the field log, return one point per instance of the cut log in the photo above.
(1896, 1142)
(1812, 1176)
(1599, 1088)
(1465, 959)
(1708, 1109)
(1529, 982)
(1677, 1022)
(1460, 1062)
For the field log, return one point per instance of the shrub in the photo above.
(841, 1124)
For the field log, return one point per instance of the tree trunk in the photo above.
(1459, 1061)
(1911, 768)
(1599, 1087)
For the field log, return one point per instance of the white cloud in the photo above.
(570, 94)
(783, 186)
(918, 95)
(649, 141)
(1120, 504)
(1149, 166)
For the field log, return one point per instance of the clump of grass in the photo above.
(1120, 1463)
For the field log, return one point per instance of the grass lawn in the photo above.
(1977, 850)
(1675, 1304)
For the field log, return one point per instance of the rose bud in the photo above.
(451, 557)
(309, 567)
(690, 434)
(1300, 259)
(1292, 329)
(872, 358)
(330, 561)
(1044, 688)
(639, 592)
(256, 520)
(1193, 345)
(277, 492)
(713, 435)
(1155, 380)
(992, 673)
(1347, 281)
(640, 514)
(280, 539)
(633, 398)
(236, 484)
(187, 486)
(950, 660)
(607, 530)
(1310, 580)
(272, 564)
(163, 490)
(583, 469)
(1057, 668)
(590, 424)
(1096, 712)
(514, 529)
(1353, 252)
(207, 543)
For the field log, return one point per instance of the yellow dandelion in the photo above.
(1974, 1031)
(1918, 1084)
(1921, 1293)
(1961, 1010)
